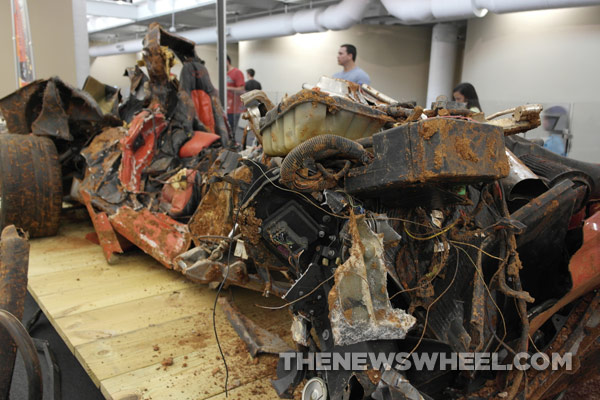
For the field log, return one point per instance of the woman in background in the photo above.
(465, 93)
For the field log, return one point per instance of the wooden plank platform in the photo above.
(123, 321)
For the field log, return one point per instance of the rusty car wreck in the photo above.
(386, 228)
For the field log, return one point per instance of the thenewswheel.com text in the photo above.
(357, 361)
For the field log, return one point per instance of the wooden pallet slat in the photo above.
(112, 317)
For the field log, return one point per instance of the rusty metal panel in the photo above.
(14, 263)
(435, 150)
(52, 120)
(584, 267)
(21, 107)
(257, 339)
(311, 113)
(359, 306)
(156, 234)
(51, 108)
(106, 234)
(138, 148)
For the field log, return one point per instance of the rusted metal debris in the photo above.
(14, 263)
(107, 97)
(422, 230)
(139, 148)
(436, 150)
(40, 108)
(359, 307)
(257, 339)
(107, 236)
(157, 234)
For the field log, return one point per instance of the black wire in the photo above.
(214, 313)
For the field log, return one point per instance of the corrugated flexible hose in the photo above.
(315, 149)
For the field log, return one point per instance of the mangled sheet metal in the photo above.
(386, 227)
(257, 339)
(157, 234)
(139, 147)
(412, 239)
(310, 113)
(14, 263)
(103, 159)
(107, 97)
(52, 108)
(107, 237)
(359, 306)
(39, 108)
(435, 150)
(138, 94)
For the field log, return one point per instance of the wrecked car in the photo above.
(386, 228)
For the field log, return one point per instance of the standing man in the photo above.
(347, 58)
(555, 120)
(251, 83)
(235, 84)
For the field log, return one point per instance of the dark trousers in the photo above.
(233, 121)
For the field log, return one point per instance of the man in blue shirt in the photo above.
(347, 58)
(555, 120)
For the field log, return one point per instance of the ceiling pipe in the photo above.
(442, 60)
(335, 17)
(343, 15)
(428, 11)
(508, 6)
(349, 12)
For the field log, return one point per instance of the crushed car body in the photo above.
(385, 227)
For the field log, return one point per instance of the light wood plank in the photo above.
(202, 377)
(117, 355)
(61, 304)
(122, 275)
(112, 316)
(126, 317)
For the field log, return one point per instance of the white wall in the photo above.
(8, 80)
(395, 57)
(51, 26)
(549, 57)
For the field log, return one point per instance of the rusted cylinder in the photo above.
(14, 263)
